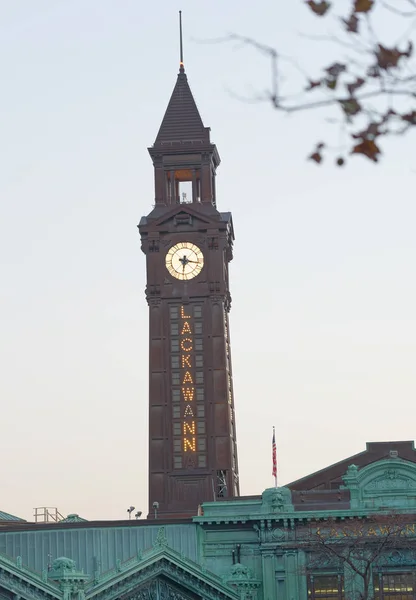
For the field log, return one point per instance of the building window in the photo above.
(197, 312)
(199, 377)
(177, 445)
(199, 360)
(177, 429)
(202, 444)
(174, 360)
(176, 395)
(174, 312)
(200, 427)
(325, 587)
(176, 411)
(198, 345)
(176, 380)
(198, 328)
(174, 345)
(177, 462)
(200, 411)
(174, 328)
(200, 394)
(395, 586)
(202, 460)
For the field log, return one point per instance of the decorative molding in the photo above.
(153, 245)
(242, 579)
(392, 480)
(161, 539)
(398, 558)
(213, 243)
(389, 483)
(25, 584)
(214, 287)
(277, 500)
(160, 561)
(153, 301)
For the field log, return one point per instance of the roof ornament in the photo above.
(181, 65)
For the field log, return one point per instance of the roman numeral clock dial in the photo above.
(184, 261)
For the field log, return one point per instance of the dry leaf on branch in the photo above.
(316, 155)
(410, 117)
(370, 133)
(312, 85)
(334, 72)
(355, 85)
(319, 8)
(351, 24)
(350, 107)
(363, 6)
(336, 69)
(368, 148)
(388, 58)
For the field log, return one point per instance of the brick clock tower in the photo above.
(188, 245)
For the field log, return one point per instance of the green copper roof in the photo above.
(73, 519)
(6, 517)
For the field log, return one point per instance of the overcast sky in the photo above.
(323, 281)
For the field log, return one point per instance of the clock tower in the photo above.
(188, 245)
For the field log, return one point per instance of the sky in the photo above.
(322, 322)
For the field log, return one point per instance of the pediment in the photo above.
(387, 483)
(181, 211)
(161, 574)
(22, 582)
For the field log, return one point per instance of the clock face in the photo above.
(184, 261)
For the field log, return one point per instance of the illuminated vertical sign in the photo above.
(186, 345)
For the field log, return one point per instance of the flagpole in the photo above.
(274, 457)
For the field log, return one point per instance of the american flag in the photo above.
(274, 456)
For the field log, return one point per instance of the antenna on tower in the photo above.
(181, 67)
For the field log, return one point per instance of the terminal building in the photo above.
(346, 532)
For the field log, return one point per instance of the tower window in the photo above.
(199, 360)
(174, 345)
(177, 462)
(202, 444)
(198, 328)
(174, 312)
(200, 411)
(198, 344)
(200, 394)
(202, 460)
(177, 445)
(176, 411)
(201, 426)
(185, 192)
(176, 380)
(177, 429)
(199, 377)
(176, 395)
(197, 312)
(174, 328)
(175, 361)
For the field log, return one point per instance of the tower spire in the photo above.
(181, 66)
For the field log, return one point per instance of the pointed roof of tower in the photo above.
(182, 121)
